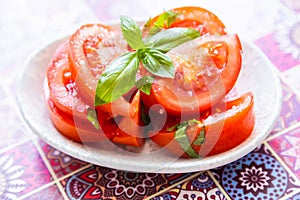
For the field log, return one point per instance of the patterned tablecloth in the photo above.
(31, 169)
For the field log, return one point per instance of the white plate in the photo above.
(257, 75)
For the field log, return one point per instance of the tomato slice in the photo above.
(68, 111)
(198, 18)
(202, 78)
(224, 130)
(129, 131)
(66, 126)
(62, 89)
(92, 48)
(80, 130)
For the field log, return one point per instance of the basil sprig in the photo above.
(165, 20)
(120, 76)
(182, 138)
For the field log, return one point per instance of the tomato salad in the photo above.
(166, 81)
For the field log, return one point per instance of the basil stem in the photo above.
(158, 63)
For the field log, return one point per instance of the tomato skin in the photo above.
(68, 111)
(61, 87)
(129, 130)
(79, 73)
(222, 133)
(84, 42)
(80, 130)
(66, 126)
(198, 18)
(87, 65)
(177, 101)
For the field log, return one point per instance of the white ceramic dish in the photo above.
(257, 75)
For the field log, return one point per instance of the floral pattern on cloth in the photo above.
(257, 175)
(10, 178)
(100, 182)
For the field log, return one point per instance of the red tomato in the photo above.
(129, 131)
(92, 48)
(202, 78)
(224, 131)
(62, 89)
(198, 18)
(80, 130)
(66, 126)
(68, 111)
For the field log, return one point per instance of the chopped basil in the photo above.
(92, 117)
(165, 20)
(182, 138)
(201, 137)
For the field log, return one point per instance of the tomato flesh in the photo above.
(78, 63)
(92, 48)
(196, 88)
(224, 131)
(80, 131)
(61, 86)
(198, 18)
(68, 111)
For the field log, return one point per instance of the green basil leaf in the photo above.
(183, 140)
(171, 38)
(132, 33)
(166, 19)
(144, 84)
(92, 117)
(148, 23)
(158, 63)
(201, 137)
(117, 79)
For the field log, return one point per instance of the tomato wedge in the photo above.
(198, 18)
(129, 128)
(198, 85)
(223, 131)
(69, 112)
(92, 48)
